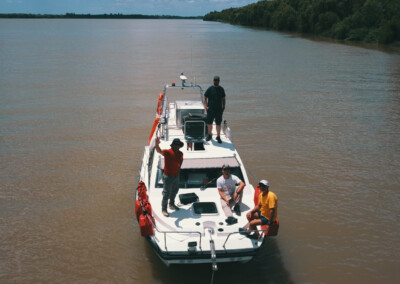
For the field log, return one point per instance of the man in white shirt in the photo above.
(231, 197)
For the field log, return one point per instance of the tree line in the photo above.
(374, 21)
(90, 16)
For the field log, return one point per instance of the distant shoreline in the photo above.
(90, 16)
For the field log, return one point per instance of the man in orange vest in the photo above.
(173, 159)
(266, 211)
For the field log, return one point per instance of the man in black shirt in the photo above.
(214, 103)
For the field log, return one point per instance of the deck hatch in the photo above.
(205, 208)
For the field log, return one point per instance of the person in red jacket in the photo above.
(173, 159)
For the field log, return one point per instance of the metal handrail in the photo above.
(165, 103)
(180, 232)
(233, 233)
(173, 232)
(141, 165)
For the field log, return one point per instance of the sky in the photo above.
(144, 7)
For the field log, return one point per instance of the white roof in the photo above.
(204, 163)
(189, 105)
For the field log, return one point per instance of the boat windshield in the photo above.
(195, 178)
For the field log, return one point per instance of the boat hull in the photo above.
(170, 258)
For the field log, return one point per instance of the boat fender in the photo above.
(257, 192)
(143, 208)
(138, 209)
(142, 191)
(148, 209)
(228, 133)
(272, 229)
(142, 199)
(145, 225)
(143, 195)
(141, 187)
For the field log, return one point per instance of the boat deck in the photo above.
(186, 219)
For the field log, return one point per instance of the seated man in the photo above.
(230, 196)
(265, 212)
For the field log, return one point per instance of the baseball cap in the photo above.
(264, 182)
(226, 167)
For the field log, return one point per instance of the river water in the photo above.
(320, 120)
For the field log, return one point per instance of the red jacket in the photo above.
(172, 162)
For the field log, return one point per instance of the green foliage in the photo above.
(284, 18)
(326, 21)
(359, 20)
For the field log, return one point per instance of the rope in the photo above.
(251, 173)
(212, 276)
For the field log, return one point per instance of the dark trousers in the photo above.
(171, 187)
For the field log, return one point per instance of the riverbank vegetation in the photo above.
(373, 21)
(90, 16)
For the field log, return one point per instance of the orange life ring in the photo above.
(159, 103)
(153, 129)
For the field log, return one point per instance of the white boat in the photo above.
(198, 232)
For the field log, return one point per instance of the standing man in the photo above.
(266, 211)
(173, 159)
(230, 196)
(214, 103)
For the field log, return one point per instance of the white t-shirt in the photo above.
(228, 185)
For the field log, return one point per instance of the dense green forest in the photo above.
(375, 21)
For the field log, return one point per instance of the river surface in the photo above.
(320, 120)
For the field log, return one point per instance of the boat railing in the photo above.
(143, 165)
(184, 86)
(164, 116)
(199, 233)
(140, 170)
(165, 100)
(173, 232)
(180, 232)
(234, 233)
